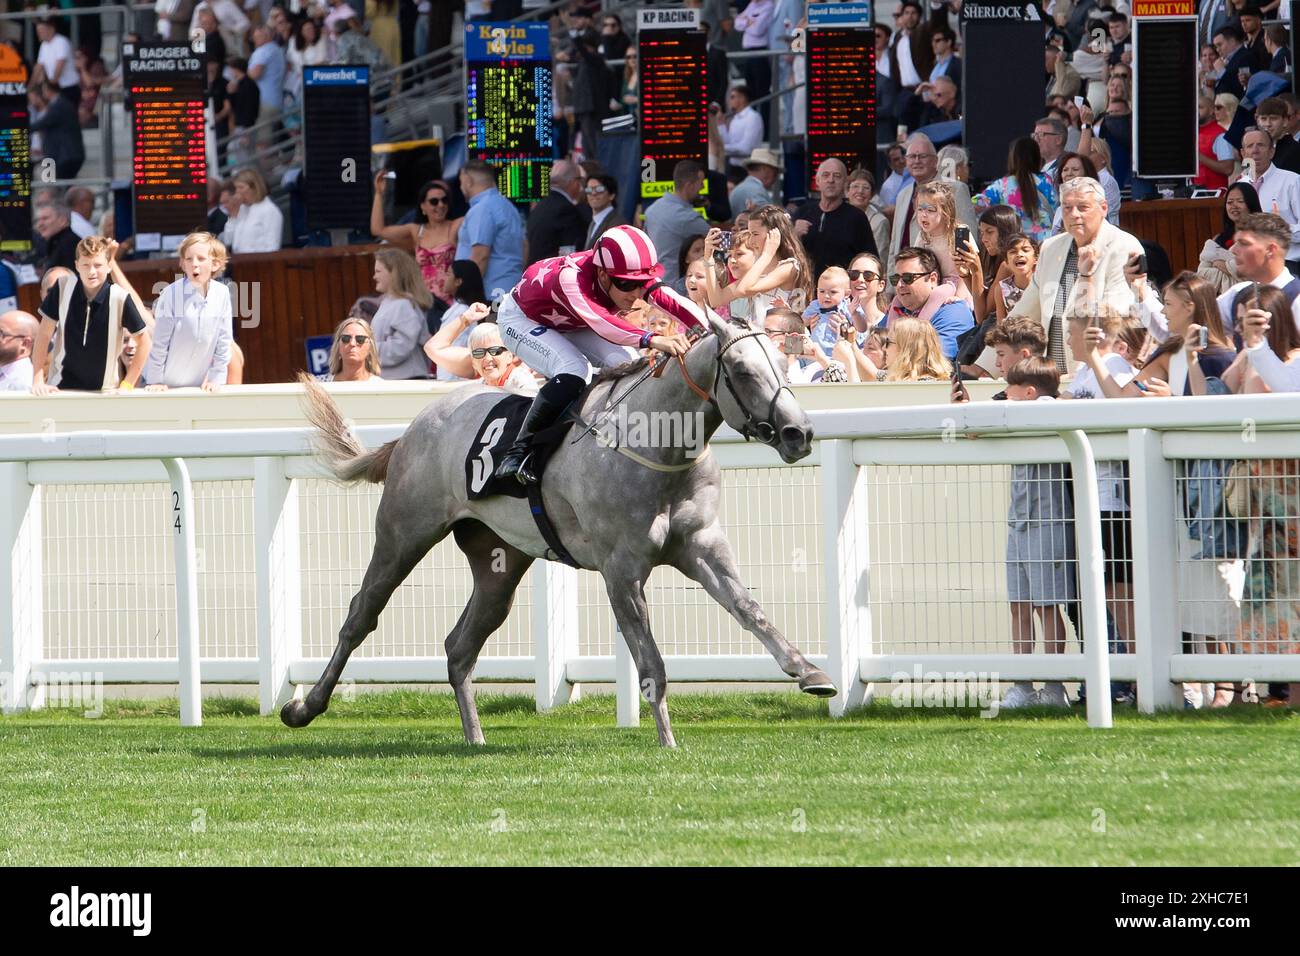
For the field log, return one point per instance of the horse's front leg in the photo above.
(627, 598)
(705, 557)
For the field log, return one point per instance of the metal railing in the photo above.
(874, 572)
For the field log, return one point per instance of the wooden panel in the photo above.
(1180, 226)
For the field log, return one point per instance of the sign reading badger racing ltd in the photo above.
(169, 173)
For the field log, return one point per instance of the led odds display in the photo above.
(15, 155)
(508, 104)
(169, 172)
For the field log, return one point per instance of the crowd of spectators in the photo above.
(909, 272)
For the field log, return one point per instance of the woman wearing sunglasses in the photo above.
(432, 237)
(352, 356)
(564, 318)
(484, 358)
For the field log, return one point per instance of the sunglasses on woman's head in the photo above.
(493, 350)
(856, 274)
(347, 339)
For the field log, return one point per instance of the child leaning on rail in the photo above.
(1040, 542)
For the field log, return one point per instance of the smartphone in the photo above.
(1142, 264)
(724, 242)
(962, 236)
(793, 344)
(1254, 296)
(1204, 337)
(1094, 321)
(1080, 102)
(956, 374)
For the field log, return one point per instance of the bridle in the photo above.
(764, 429)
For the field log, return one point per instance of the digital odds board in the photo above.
(508, 105)
(336, 140)
(15, 155)
(1165, 119)
(169, 173)
(674, 95)
(840, 45)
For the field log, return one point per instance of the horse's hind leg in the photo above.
(706, 557)
(401, 540)
(497, 568)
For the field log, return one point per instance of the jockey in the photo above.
(562, 319)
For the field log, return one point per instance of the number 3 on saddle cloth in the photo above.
(494, 437)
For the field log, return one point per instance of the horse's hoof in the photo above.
(818, 684)
(295, 714)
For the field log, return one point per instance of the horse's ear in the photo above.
(717, 323)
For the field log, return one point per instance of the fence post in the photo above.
(180, 518)
(21, 611)
(846, 614)
(627, 683)
(1155, 570)
(279, 581)
(1092, 586)
(555, 632)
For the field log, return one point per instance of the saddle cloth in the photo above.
(498, 432)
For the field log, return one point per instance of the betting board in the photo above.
(841, 51)
(508, 105)
(15, 155)
(169, 173)
(336, 139)
(1165, 119)
(674, 94)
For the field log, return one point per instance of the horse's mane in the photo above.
(615, 372)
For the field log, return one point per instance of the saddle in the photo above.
(497, 433)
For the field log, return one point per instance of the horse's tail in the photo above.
(335, 443)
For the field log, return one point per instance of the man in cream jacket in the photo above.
(1087, 259)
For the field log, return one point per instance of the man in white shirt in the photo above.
(81, 205)
(55, 61)
(17, 333)
(742, 132)
(1278, 189)
(906, 21)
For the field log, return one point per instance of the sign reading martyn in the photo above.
(1027, 12)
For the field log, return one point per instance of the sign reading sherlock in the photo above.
(508, 105)
(674, 95)
(999, 40)
(336, 174)
(15, 155)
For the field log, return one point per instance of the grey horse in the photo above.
(619, 514)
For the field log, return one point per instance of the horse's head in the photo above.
(752, 392)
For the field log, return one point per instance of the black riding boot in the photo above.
(555, 396)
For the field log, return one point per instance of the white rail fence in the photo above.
(224, 556)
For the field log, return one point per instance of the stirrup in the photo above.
(524, 474)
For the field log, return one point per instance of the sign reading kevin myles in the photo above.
(1164, 8)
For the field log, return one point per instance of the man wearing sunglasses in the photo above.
(916, 278)
(565, 318)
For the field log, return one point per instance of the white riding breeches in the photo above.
(552, 352)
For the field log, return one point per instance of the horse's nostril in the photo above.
(794, 435)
